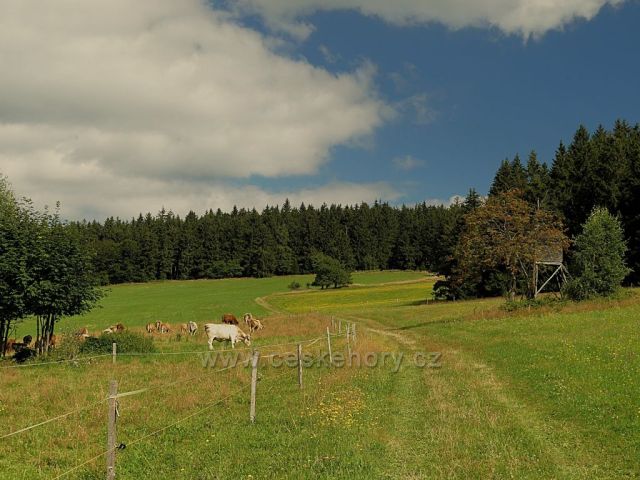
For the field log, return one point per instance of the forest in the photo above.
(599, 168)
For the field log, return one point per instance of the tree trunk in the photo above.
(4, 335)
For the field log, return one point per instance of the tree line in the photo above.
(531, 206)
(276, 241)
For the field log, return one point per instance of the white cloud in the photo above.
(407, 163)
(87, 191)
(446, 202)
(522, 17)
(138, 98)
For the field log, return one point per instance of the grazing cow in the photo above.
(193, 328)
(151, 328)
(184, 328)
(82, 333)
(164, 327)
(228, 333)
(253, 323)
(53, 343)
(229, 319)
(119, 328)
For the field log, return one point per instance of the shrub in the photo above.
(128, 342)
(294, 286)
(597, 264)
(329, 271)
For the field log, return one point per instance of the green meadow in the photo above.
(550, 392)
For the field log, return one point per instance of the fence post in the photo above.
(300, 365)
(348, 340)
(353, 331)
(329, 345)
(254, 381)
(114, 352)
(111, 430)
(339, 326)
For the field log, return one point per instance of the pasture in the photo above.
(546, 393)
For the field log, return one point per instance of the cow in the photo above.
(223, 332)
(229, 319)
(164, 327)
(53, 342)
(253, 323)
(119, 328)
(184, 328)
(8, 347)
(193, 328)
(82, 333)
(151, 328)
(27, 340)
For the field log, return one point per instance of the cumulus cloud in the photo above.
(102, 96)
(408, 162)
(87, 191)
(522, 17)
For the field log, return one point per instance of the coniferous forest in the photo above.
(600, 168)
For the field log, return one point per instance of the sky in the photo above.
(119, 107)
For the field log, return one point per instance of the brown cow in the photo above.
(253, 323)
(53, 343)
(229, 319)
(164, 327)
(8, 347)
(83, 332)
(151, 328)
(184, 328)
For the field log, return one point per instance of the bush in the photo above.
(128, 342)
(329, 271)
(294, 286)
(597, 264)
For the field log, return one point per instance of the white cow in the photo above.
(222, 332)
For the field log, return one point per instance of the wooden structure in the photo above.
(550, 256)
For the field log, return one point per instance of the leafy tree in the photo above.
(506, 234)
(330, 271)
(598, 262)
(14, 276)
(62, 281)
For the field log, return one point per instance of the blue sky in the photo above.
(194, 105)
(487, 95)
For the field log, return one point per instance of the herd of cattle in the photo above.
(228, 331)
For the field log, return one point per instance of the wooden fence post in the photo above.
(254, 382)
(300, 365)
(353, 331)
(114, 352)
(348, 330)
(329, 345)
(111, 430)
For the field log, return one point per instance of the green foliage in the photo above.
(128, 342)
(500, 243)
(330, 271)
(598, 262)
(294, 285)
(45, 269)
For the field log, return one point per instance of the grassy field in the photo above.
(177, 302)
(546, 393)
